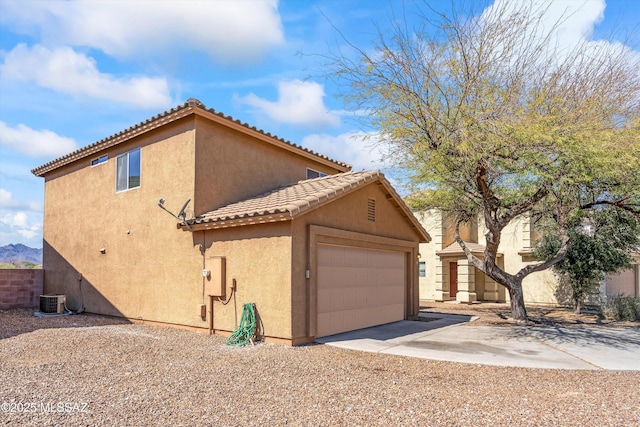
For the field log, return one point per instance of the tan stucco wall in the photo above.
(347, 223)
(258, 257)
(231, 166)
(150, 270)
(432, 222)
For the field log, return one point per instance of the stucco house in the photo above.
(317, 248)
(446, 274)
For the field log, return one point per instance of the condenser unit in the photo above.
(52, 303)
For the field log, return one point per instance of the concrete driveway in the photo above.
(443, 337)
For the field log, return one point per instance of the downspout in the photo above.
(210, 315)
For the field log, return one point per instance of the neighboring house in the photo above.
(318, 249)
(446, 274)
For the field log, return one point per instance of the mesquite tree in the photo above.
(499, 119)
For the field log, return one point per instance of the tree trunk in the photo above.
(518, 311)
(577, 306)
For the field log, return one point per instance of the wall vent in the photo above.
(371, 210)
(52, 303)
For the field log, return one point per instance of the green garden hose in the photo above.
(247, 327)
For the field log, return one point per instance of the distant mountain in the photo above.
(20, 252)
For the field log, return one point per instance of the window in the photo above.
(128, 171)
(422, 269)
(100, 160)
(314, 174)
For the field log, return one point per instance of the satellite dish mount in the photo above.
(181, 216)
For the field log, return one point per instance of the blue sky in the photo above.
(74, 72)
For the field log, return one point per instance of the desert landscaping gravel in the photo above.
(92, 370)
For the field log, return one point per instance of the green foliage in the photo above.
(27, 265)
(621, 307)
(599, 243)
(427, 199)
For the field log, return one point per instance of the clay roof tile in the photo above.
(291, 199)
(156, 121)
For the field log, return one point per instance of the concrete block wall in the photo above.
(20, 288)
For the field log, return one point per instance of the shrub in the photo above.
(622, 307)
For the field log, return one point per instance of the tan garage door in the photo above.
(358, 288)
(622, 283)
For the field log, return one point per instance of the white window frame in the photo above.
(127, 163)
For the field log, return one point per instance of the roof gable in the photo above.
(192, 106)
(290, 201)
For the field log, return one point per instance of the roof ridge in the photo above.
(156, 121)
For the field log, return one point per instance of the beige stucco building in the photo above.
(446, 274)
(318, 249)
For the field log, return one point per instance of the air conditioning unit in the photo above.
(52, 303)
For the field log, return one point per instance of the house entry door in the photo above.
(453, 279)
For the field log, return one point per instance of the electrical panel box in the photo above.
(215, 284)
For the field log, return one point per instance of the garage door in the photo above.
(358, 288)
(622, 283)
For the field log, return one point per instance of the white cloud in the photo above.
(19, 220)
(569, 23)
(299, 103)
(5, 198)
(19, 227)
(350, 148)
(228, 30)
(66, 71)
(29, 233)
(37, 143)
(8, 202)
(574, 20)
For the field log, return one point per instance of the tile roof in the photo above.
(286, 202)
(191, 106)
(290, 200)
(454, 249)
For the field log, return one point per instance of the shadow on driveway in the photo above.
(518, 346)
(402, 329)
(615, 338)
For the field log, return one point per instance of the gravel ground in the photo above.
(93, 370)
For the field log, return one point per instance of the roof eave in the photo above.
(459, 252)
(236, 222)
(192, 106)
(118, 138)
